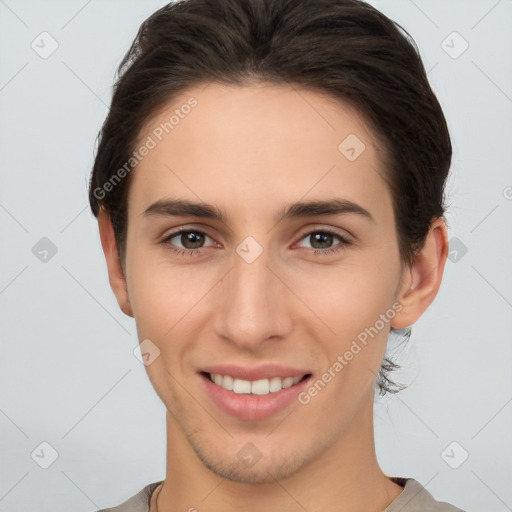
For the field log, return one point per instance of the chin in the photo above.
(263, 472)
(251, 466)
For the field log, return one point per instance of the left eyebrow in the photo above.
(329, 207)
(184, 207)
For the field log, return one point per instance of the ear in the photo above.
(115, 270)
(422, 279)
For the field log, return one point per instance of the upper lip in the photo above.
(266, 371)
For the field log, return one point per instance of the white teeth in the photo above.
(241, 386)
(227, 382)
(275, 384)
(260, 387)
(287, 382)
(257, 387)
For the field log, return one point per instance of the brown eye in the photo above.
(185, 241)
(322, 241)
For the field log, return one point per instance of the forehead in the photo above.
(256, 143)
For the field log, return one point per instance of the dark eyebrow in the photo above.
(184, 208)
(320, 207)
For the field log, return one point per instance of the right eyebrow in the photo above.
(184, 208)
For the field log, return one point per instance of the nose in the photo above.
(253, 302)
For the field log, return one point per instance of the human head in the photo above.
(345, 48)
(366, 85)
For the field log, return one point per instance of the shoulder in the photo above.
(137, 503)
(415, 498)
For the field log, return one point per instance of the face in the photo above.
(271, 298)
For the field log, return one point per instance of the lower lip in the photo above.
(252, 407)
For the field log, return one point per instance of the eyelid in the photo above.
(185, 227)
(342, 233)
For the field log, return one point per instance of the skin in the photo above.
(251, 150)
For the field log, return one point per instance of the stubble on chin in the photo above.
(231, 466)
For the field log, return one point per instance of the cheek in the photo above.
(164, 298)
(155, 286)
(347, 298)
(151, 299)
(352, 334)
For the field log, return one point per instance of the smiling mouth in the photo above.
(254, 387)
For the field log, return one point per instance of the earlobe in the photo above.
(115, 271)
(423, 278)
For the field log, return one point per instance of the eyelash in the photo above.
(316, 252)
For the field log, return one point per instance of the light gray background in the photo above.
(69, 376)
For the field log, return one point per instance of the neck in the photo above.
(346, 477)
